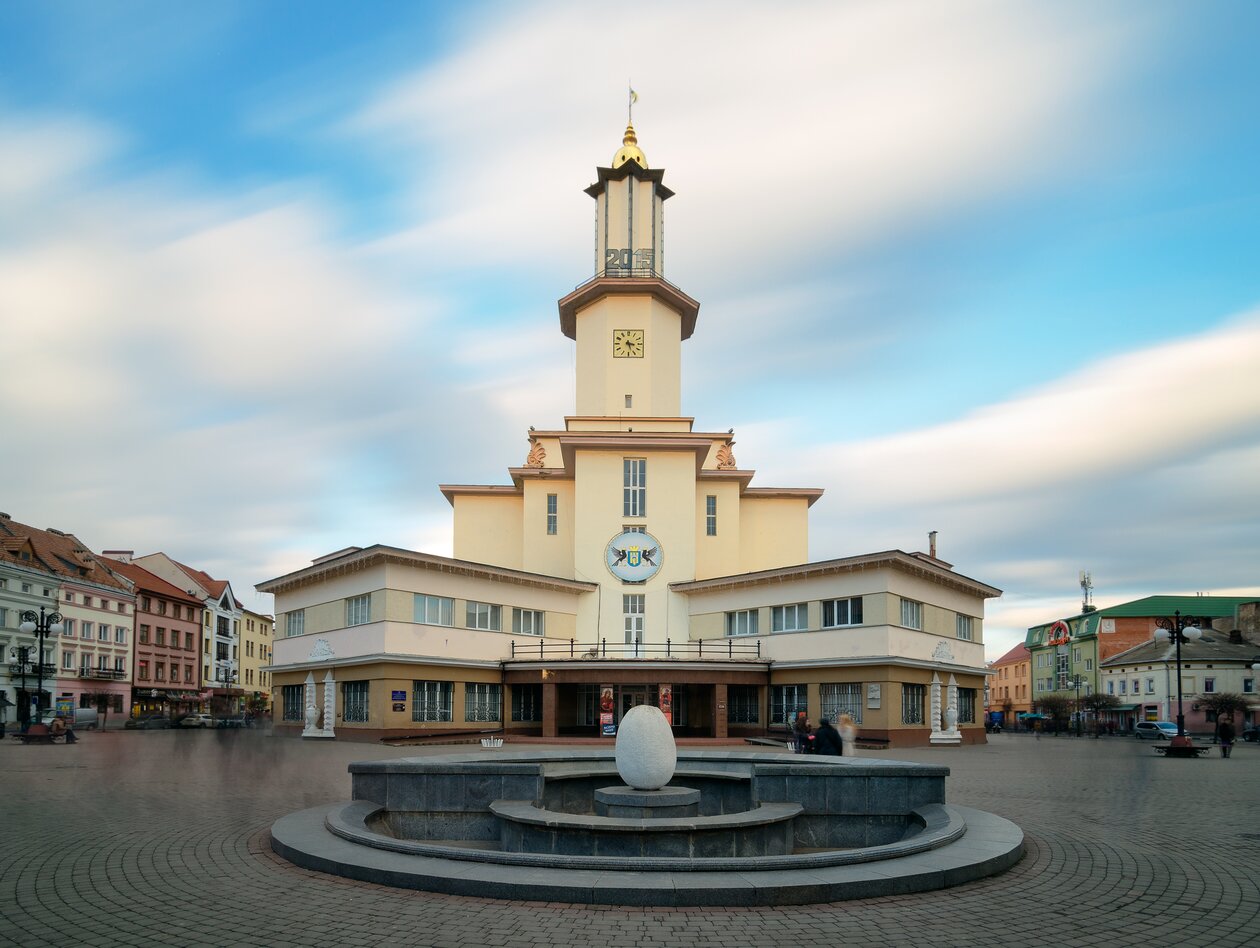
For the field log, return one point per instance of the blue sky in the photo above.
(984, 268)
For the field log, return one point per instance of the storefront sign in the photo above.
(398, 706)
(606, 726)
(398, 696)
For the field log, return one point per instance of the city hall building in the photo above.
(628, 560)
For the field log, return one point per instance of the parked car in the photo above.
(148, 722)
(84, 718)
(1155, 730)
(196, 720)
(1251, 733)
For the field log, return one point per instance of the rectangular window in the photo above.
(966, 705)
(69, 595)
(88, 629)
(120, 635)
(483, 702)
(159, 671)
(632, 609)
(222, 626)
(292, 702)
(1124, 686)
(146, 604)
(188, 673)
(793, 618)
(67, 659)
(1136, 686)
(962, 627)
(295, 623)
(912, 700)
(785, 702)
(838, 612)
(528, 622)
(552, 514)
(483, 615)
(710, 516)
(85, 666)
(433, 610)
(161, 607)
(1076, 655)
(1249, 686)
(1089, 664)
(1209, 685)
(359, 610)
(838, 699)
(911, 614)
(102, 632)
(1111, 687)
(69, 628)
(629, 401)
(527, 702)
(742, 704)
(742, 622)
(634, 491)
(159, 636)
(431, 700)
(1062, 670)
(1150, 686)
(188, 641)
(354, 702)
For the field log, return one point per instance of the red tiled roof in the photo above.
(61, 554)
(150, 583)
(1019, 653)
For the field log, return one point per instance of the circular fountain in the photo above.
(701, 827)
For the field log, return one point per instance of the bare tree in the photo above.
(1058, 708)
(100, 700)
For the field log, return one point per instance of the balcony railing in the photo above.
(32, 669)
(713, 649)
(108, 674)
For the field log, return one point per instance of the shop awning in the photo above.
(1122, 707)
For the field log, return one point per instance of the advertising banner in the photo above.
(666, 702)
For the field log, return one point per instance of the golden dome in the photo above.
(629, 151)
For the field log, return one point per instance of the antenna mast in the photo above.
(1087, 592)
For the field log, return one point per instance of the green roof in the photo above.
(1085, 624)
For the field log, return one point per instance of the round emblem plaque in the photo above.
(633, 557)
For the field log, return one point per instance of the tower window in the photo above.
(634, 494)
(710, 516)
(551, 514)
(629, 401)
(632, 607)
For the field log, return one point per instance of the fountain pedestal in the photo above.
(628, 803)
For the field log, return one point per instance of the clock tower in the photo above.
(627, 320)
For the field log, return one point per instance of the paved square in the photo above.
(160, 838)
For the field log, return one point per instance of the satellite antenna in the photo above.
(1087, 592)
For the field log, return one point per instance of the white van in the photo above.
(84, 718)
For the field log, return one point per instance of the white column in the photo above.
(330, 704)
(951, 708)
(936, 705)
(310, 712)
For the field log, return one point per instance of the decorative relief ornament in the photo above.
(943, 653)
(321, 651)
(725, 459)
(633, 557)
(537, 454)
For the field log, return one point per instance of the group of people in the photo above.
(832, 740)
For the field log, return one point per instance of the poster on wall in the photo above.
(872, 696)
(606, 726)
(666, 702)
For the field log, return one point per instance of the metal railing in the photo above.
(112, 674)
(712, 649)
(639, 273)
(32, 668)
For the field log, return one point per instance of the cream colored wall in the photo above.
(774, 532)
(488, 529)
(654, 381)
(719, 555)
(542, 552)
(671, 518)
(618, 423)
(645, 203)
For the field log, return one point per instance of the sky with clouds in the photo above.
(271, 272)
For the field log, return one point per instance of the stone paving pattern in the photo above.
(160, 838)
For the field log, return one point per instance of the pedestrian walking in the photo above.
(848, 735)
(827, 740)
(1225, 734)
(800, 731)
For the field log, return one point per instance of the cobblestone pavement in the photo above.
(160, 838)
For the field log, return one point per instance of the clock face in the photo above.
(628, 343)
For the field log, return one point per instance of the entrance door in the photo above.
(632, 696)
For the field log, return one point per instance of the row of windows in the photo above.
(786, 701)
(434, 610)
(101, 632)
(836, 613)
(103, 662)
(176, 609)
(431, 701)
(159, 672)
(87, 601)
(159, 637)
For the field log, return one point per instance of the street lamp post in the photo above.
(1078, 681)
(1179, 629)
(42, 624)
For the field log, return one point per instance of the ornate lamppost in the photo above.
(1179, 629)
(42, 624)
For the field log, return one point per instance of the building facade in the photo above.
(1010, 687)
(1077, 646)
(257, 634)
(630, 560)
(165, 674)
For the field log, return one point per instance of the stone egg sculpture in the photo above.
(645, 752)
